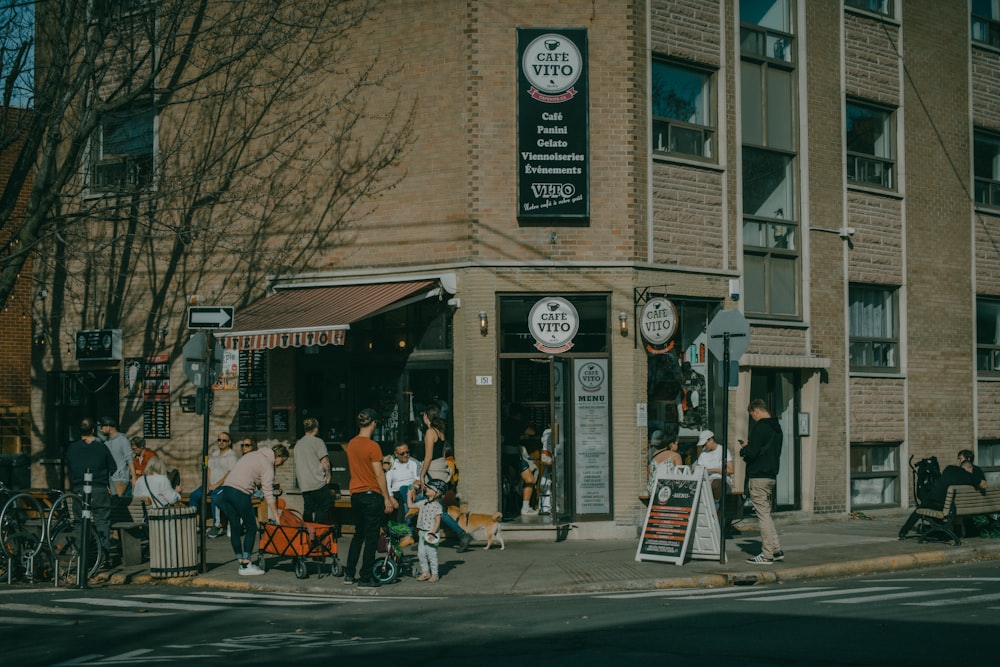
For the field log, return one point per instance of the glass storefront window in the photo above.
(592, 337)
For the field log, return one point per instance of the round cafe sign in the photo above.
(553, 323)
(658, 321)
(552, 64)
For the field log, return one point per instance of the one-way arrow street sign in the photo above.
(210, 317)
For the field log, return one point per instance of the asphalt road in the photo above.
(940, 616)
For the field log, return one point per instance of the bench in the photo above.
(960, 502)
(131, 521)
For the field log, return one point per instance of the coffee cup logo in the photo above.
(552, 64)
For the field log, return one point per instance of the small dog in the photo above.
(474, 523)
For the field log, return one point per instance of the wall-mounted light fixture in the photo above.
(39, 340)
(161, 335)
(623, 324)
(484, 323)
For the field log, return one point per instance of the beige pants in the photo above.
(762, 497)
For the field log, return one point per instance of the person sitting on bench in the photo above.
(965, 473)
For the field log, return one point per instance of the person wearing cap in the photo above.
(428, 525)
(370, 500)
(665, 457)
(121, 451)
(711, 459)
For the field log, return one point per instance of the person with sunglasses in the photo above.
(402, 473)
(220, 463)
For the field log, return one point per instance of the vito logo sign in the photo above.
(553, 323)
(553, 126)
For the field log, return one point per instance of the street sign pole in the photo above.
(731, 329)
(205, 390)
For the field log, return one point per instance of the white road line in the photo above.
(987, 597)
(309, 596)
(896, 596)
(703, 593)
(133, 604)
(957, 580)
(843, 591)
(63, 611)
(14, 620)
(256, 602)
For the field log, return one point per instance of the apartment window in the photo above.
(988, 336)
(988, 458)
(986, 22)
(986, 165)
(766, 29)
(122, 151)
(770, 233)
(874, 342)
(883, 7)
(682, 111)
(870, 152)
(874, 475)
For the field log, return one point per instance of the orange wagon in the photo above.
(302, 541)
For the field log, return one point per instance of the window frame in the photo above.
(708, 131)
(887, 7)
(887, 292)
(988, 458)
(987, 190)
(990, 349)
(988, 25)
(868, 474)
(856, 159)
(116, 172)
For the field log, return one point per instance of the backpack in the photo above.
(925, 473)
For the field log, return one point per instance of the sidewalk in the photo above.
(813, 548)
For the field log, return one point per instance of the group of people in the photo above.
(761, 453)
(415, 486)
(119, 467)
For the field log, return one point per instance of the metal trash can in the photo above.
(173, 541)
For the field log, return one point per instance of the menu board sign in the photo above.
(553, 126)
(592, 425)
(680, 507)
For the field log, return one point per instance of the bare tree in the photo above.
(187, 147)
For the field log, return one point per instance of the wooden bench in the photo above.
(131, 521)
(960, 501)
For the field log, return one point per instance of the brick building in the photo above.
(582, 172)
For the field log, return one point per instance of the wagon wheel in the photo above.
(336, 569)
(301, 568)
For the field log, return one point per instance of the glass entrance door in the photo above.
(536, 429)
(779, 390)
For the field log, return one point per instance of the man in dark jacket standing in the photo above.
(89, 454)
(762, 454)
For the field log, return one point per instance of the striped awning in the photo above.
(306, 316)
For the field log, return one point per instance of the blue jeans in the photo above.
(194, 500)
(239, 509)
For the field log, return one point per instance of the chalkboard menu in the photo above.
(680, 507)
(252, 386)
(154, 376)
(279, 420)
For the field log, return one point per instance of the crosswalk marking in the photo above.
(818, 594)
(18, 620)
(972, 599)
(63, 611)
(256, 602)
(106, 602)
(703, 593)
(897, 596)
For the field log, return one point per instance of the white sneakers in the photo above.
(250, 570)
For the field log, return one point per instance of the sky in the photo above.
(17, 27)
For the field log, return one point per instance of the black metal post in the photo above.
(82, 571)
(725, 447)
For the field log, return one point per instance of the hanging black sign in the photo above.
(553, 126)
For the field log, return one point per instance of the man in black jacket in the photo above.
(89, 454)
(965, 473)
(762, 454)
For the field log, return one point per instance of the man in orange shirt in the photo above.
(370, 499)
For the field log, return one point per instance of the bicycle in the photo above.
(22, 535)
(393, 564)
(63, 530)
